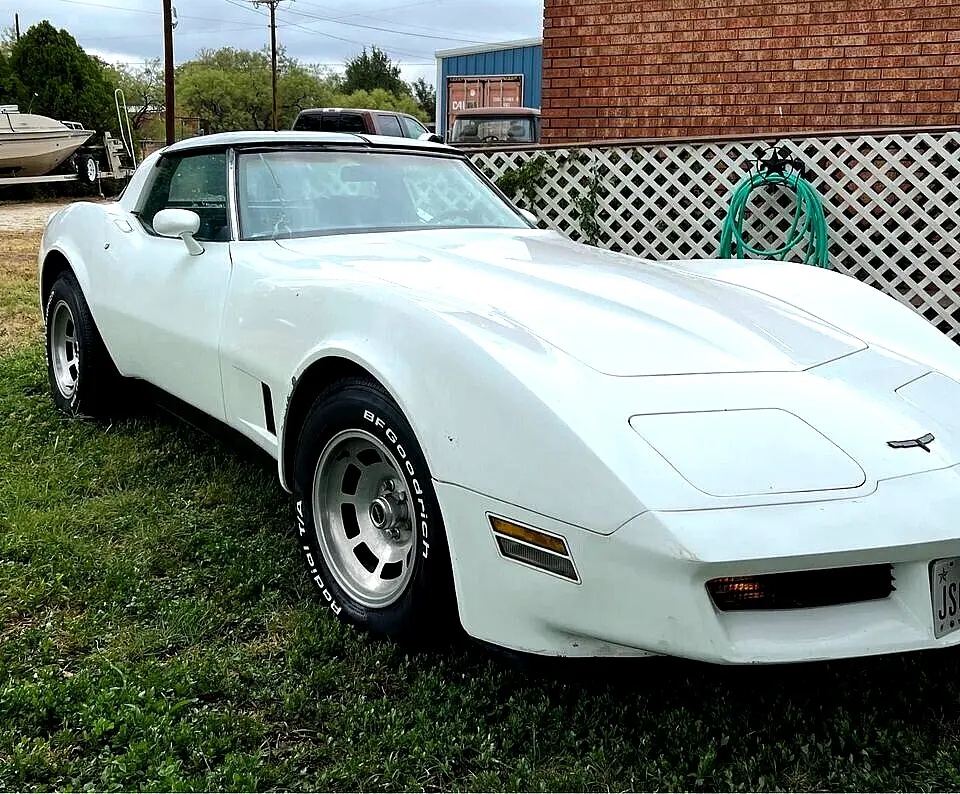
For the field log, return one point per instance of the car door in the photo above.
(163, 316)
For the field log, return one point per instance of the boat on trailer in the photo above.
(33, 148)
(33, 145)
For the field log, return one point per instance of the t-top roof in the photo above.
(261, 138)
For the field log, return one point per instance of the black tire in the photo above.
(96, 383)
(87, 169)
(354, 411)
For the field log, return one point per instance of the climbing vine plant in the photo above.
(588, 205)
(526, 180)
(522, 184)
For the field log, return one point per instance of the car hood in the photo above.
(617, 314)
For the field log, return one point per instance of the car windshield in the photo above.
(307, 192)
(478, 130)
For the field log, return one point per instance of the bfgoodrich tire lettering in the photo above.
(83, 378)
(367, 517)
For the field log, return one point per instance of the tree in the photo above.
(55, 77)
(8, 86)
(300, 87)
(368, 71)
(8, 37)
(229, 89)
(426, 96)
(143, 90)
(378, 99)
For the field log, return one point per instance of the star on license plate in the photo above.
(945, 587)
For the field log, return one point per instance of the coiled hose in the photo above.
(809, 210)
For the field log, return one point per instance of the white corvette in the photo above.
(572, 451)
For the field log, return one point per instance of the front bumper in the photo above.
(643, 587)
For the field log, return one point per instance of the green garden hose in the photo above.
(813, 228)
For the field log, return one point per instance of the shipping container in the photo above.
(488, 75)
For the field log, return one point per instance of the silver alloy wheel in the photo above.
(64, 349)
(362, 515)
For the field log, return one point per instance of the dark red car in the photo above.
(362, 120)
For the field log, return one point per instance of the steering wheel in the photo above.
(490, 138)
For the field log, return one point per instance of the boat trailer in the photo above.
(88, 169)
(89, 164)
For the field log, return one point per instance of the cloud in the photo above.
(410, 31)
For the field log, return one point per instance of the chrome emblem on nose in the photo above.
(923, 442)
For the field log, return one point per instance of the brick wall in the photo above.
(714, 67)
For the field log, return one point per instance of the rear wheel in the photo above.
(83, 378)
(367, 515)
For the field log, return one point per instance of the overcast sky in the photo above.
(411, 31)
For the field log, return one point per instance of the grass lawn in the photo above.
(20, 320)
(157, 632)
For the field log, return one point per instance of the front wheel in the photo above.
(83, 378)
(368, 519)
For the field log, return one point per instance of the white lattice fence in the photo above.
(892, 204)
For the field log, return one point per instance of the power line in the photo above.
(245, 7)
(428, 57)
(394, 31)
(152, 13)
(369, 14)
(179, 35)
(388, 50)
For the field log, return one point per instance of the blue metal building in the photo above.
(503, 75)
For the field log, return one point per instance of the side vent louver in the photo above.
(269, 422)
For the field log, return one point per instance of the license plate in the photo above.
(945, 584)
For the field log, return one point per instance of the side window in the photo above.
(389, 125)
(411, 127)
(197, 183)
(352, 122)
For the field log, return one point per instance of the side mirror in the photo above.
(430, 136)
(528, 215)
(179, 223)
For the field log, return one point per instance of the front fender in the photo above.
(490, 404)
(72, 233)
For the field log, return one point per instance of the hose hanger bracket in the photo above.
(777, 160)
(806, 229)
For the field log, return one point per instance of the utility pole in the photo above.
(273, 50)
(16, 25)
(169, 97)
